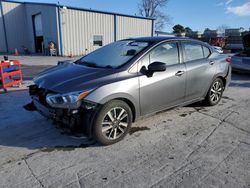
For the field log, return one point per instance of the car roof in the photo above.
(157, 39)
(161, 38)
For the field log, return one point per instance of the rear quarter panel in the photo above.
(223, 68)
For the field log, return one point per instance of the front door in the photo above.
(163, 89)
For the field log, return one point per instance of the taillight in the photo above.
(229, 59)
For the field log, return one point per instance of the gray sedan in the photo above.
(104, 92)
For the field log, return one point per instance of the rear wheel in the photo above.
(215, 92)
(112, 122)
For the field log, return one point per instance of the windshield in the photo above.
(113, 55)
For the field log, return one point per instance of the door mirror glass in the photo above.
(157, 67)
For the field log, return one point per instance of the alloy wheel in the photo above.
(115, 123)
(216, 92)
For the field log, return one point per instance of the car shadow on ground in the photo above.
(20, 128)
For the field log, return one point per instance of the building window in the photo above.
(98, 40)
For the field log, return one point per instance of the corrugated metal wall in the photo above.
(2, 35)
(133, 27)
(15, 24)
(19, 25)
(79, 27)
(49, 24)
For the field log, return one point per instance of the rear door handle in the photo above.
(179, 73)
(211, 62)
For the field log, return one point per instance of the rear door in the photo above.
(163, 89)
(200, 69)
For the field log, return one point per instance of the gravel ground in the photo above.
(192, 146)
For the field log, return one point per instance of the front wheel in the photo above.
(215, 92)
(112, 122)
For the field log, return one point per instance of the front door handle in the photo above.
(211, 62)
(179, 73)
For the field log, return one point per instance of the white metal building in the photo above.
(75, 31)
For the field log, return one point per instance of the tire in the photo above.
(112, 122)
(215, 92)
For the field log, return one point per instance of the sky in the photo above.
(196, 14)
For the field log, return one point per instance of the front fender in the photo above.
(127, 89)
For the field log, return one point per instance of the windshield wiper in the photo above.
(109, 67)
(89, 64)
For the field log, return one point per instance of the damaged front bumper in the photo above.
(45, 111)
(75, 119)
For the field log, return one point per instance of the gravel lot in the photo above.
(192, 146)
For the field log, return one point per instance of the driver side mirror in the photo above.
(154, 67)
(157, 67)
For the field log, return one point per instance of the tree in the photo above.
(153, 9)
(222, 28)
(188, 30)
(178, 29)
(207, 30)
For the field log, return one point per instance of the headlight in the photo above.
(69, 100)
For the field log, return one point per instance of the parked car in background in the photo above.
(241, 61)
(107, 90)
(218, 49)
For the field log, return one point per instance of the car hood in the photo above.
(73, 77)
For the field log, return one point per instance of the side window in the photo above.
(134, 68)
(166, 53)
(206, 52)
(193, 51)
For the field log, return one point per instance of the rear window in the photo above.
(193, 51)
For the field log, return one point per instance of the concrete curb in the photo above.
(24, 86)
